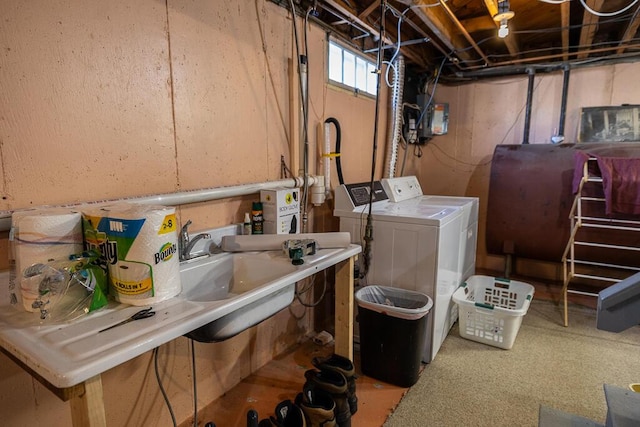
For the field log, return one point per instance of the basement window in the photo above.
(351, 70)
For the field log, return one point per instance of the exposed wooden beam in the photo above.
(492, 7)
(461, 28)
(373, 6)
(480, 23)
(441, 26)
(630, 31)
(589, 27)
(510, 41)
(565, 14)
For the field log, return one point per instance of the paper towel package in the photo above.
(40, 236)
(139, 244)
(95, 223)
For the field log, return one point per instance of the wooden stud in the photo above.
(344, 308)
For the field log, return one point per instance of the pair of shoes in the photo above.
(328, 397)
(345, 366)
(288, 414)
(318, 407)
(335, 384)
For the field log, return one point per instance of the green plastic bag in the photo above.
(69, 289)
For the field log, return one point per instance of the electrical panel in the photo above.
(439, 119)
(435, 120)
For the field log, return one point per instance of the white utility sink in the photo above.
(238, 290)
(260, 283)
(227, 275)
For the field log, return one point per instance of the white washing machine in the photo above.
(416, 245)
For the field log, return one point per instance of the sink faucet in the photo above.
(186, 243)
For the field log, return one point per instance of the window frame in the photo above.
(358, 56)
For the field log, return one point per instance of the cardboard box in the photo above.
(281, 210)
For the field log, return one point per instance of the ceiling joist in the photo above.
(589, 27)
(542, 33)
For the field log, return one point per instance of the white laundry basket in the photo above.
(491, 309)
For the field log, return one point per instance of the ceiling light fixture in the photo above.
(503, 16)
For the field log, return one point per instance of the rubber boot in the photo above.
(334, 383)
(318, 407)
(287, 415)
(345, 367)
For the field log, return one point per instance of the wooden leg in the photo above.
(87, 409)
(344, 308)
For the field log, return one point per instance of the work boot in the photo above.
(345, 366)
(318, 407)
(334, 383)
(287, 415)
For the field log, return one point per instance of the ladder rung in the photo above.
(602, 264)
(573, 291)
(610, 227)
(604, 279)
(603, 245)
(611, 220)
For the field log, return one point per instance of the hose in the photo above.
(337, 152)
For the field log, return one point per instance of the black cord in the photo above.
(164, 393)
(368, 233)
(195, 384)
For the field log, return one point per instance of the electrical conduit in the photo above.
(395, 117)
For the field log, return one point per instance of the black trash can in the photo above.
(393, 330)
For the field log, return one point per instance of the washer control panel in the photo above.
(402, 188)
(351, 196)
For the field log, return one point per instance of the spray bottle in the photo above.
(246, 226)
(257, 218)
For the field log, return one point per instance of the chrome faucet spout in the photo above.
(186, 243)
(189, 247)
(184, 235)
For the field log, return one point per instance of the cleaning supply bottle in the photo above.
(246, 227)
(257, 218)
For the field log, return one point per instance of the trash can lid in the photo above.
(395, 302)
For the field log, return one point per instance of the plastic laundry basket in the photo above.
(491, 309)
(393, 329)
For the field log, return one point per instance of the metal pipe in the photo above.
(527, 116)
(193, 196)
(563, 102)
(402, 44)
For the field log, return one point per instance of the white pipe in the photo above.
(326, 159)
(194, 196)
